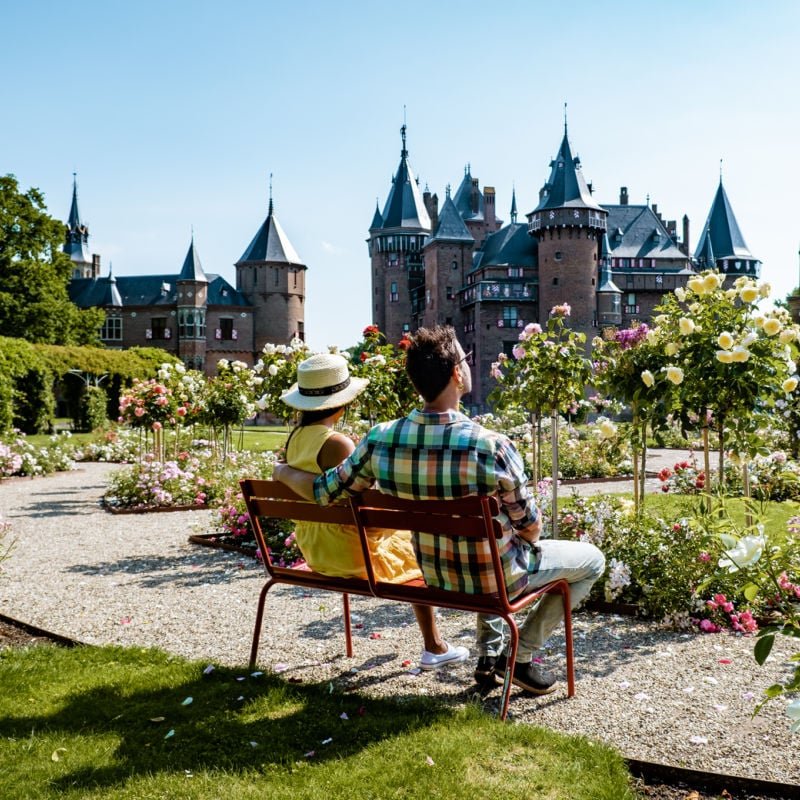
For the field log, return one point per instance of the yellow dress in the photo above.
(335, 549)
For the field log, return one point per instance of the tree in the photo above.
(35, 273)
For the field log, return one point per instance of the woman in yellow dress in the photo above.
(324, 388)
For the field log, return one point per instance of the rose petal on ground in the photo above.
(327, 741)
(724, 661)
(280, 667)
(310, 754)
(712, 681)
(256, 674)
(374, 636)
(719, 707)
(253, 744)
(170, 733)
(406, 663)
(188, 701)
(429, 761)
(55, 756)
(698, 740)
(641, 696)
(343, 715)
(208, 670)
(157, 719)
(624, 685)
(688, 689)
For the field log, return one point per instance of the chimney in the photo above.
(474, 202)
(623, 195)
(431, 202)
(685, 235)
(95, 265)
(488, 206)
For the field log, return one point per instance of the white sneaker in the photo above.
(453, 655)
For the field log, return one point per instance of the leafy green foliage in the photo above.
(92, 409)
(35, 273)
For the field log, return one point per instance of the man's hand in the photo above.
(297, 480)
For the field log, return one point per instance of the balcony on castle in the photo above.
(566, 217)
(498, 290)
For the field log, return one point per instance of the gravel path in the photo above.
(684, 699)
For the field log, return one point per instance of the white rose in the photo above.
(272, 369)
(724, 356)
(725, 340)
(790, 384)
(772, 326)
(675, 375)
(749, 294)
(685, 326)
(745, 553)
(647, 378)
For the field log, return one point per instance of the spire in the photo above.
(270, 243)
(111, 295)
(192, 270)
(566, 186)
(451, 226)
(377, 219)
(271, 208)
(74, 220)
(723, 231)
(76, 245)
(513, 204)
(469, 198)
(404, 207)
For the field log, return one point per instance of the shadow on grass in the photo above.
(234, 722)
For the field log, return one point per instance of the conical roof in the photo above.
(377, 219)
(566, 186)
(192, 269)
(723, 230)
(110, 294)
(404, 207)
(451, 226)
(706, 256)
(74, 220)
(271, 244)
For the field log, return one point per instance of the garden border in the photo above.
(212, 540)
(154, 509)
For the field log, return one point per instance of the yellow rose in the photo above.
(787, 335)
(697, 285)
(675, 375)
(608, 430)
(647, 378)
(749, 294)
(740, 354)
(671, 349)
(731, 294)
(711, 282)
(680, 293)
(685, 326)
(764, 290)
(772, 326)
(725, 340)
(790, 384)
(724, 356)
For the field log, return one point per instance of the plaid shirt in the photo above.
(440, 456)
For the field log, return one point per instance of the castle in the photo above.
(458, 265)
(198, 317)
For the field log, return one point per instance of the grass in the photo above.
(118, 723)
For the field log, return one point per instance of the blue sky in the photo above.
(174, 114)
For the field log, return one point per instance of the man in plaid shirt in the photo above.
(438, 453)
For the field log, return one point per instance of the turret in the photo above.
(76, 244)
(569, 226)
(609, 295)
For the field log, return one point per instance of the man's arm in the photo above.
(515, 497)
(298, 480)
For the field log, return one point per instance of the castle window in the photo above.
(301, 330)
(558, 255)
(393, 259)
(158, 325)
(393, 294)
(226, 329)
(406, 327)
(555, 281)
(449, 292)
(112, 329)
(510, 317)
(515, 272)
(455, 265)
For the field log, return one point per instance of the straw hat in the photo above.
(323, 381)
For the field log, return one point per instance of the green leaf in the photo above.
(751, 592)
(776, 690)
(763, 648)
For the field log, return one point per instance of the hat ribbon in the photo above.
(324, 390)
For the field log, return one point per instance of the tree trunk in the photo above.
(534, 418)
(635, 455)
(643, 472)
(706, 463)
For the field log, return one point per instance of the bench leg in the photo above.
(568, 638)
(511, 660)
(348, 633)
(259, 620)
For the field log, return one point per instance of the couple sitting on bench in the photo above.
(436, 453)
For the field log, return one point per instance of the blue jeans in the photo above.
(580, 563)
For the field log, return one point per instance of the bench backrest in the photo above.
(465, 528)
(272, 499)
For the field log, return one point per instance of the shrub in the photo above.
(92, 409)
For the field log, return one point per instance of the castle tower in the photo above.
(722, 245)
(569, 226)
(448, 259)
(272, 277)
(192, 304)
(396, 239)
(609, 295)
(76, 245)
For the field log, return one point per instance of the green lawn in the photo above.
(130, 723)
